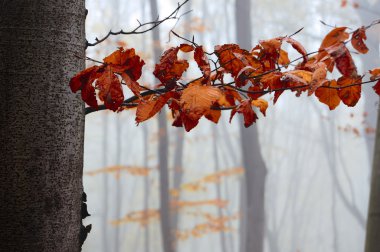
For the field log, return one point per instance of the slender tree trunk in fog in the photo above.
(373, 219)
(218, 187)
(105, 183)
(163, 151)
(146, 187)
(255, 169)
(42, 125)
(118, 198)
(370, 61)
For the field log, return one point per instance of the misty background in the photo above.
(297, 181)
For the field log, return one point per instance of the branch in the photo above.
(142, 27)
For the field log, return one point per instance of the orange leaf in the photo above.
(261, 104)
(318, 77)
(349, 95)
(203, 64)
(245, 108)
(357, 40)
(298, 47)
(110, 90)
(233, 59)
(335, 36)
(375, 73)
(147, 109)
(328, 96)
(284, 58)
(196, 101)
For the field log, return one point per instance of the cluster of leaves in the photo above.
(264, 69)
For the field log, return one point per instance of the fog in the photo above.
(316, 162)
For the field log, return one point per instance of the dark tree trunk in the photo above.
(255, 169)
(42, 125)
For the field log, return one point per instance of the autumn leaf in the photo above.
(261, 104)
(170, 69)
(127, 64)
(245, 108)
(203, 64)
(298, 47)
(148, 108)
(375, 73)
(343, 60)
(328, 96)
(196, 101)
(110, 91)
(357, 40)
(377, 87)
(83, 81)
(273, 82)
(318, 78)
(349, 95)
(283, 59)
(233, 59)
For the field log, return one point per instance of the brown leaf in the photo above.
(83, 81)
(110, 90)
(148, 108)
(357, 40)
(298, 47)
(375, 73)
(245, 108)
(343, 60)
(377, 87)
(349, 95)
(203, 64)
(328, 96)
(196, 101)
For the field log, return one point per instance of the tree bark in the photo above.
(255, 169)
(42, 125)
(373, 221)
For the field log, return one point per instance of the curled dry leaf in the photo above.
(196, 101)
(245, 108)
(343, 60)
(357, 40)
(203, 64)
(110, 91)
(298, 47)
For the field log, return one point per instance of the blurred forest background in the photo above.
(297, 181)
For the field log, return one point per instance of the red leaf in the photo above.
(203, 64)
(245, 108)
(110, 90)
(357, 40)
(83, 81)
(377, 87)
(170, 69)
(343, 60)
(349, 95)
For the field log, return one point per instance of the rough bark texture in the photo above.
(42, 125)
(255, 169)
(163, 152)
(373, 220)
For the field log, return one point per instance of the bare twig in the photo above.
(142, 27)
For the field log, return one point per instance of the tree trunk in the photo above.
(42, 125)
(255, 169)
(163, 151)
(373, 221)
